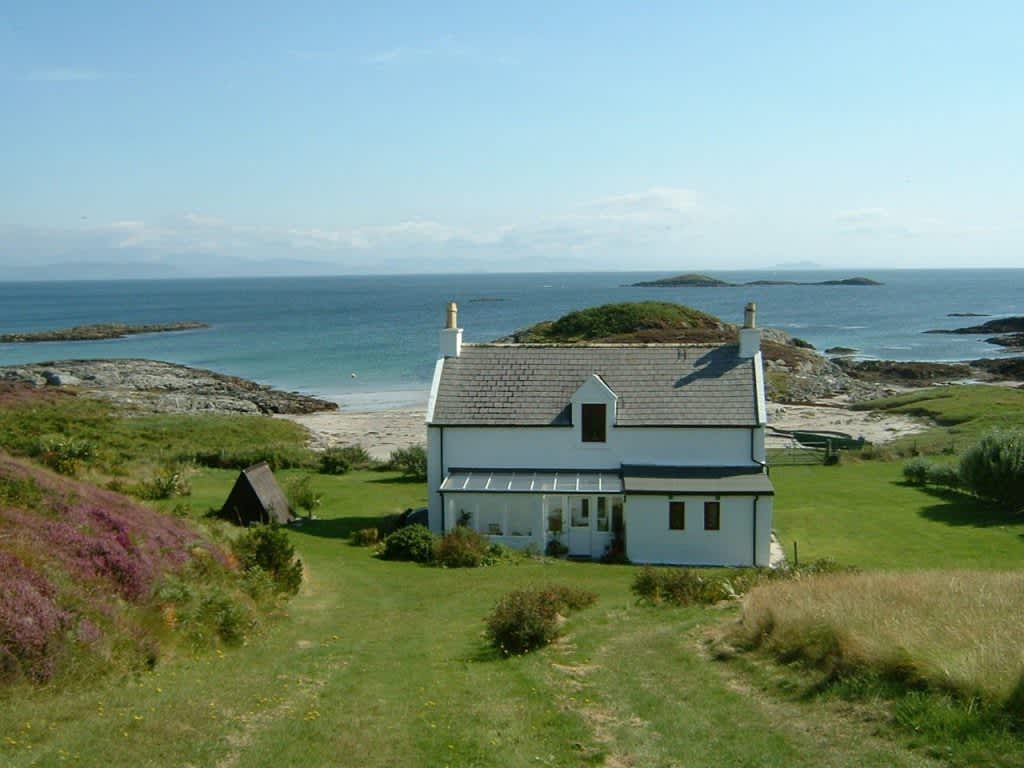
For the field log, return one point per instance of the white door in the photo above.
(579, 526)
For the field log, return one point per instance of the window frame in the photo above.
(674, 508)
(592, 428)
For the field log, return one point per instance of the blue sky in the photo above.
(213, 137)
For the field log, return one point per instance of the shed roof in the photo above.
(264, 485)
(656, 385)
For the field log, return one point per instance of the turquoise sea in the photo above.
(312, 334)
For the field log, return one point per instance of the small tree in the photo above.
(302, 496)
(411, 461)
(994, 468)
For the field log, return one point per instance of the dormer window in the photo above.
(595, 420)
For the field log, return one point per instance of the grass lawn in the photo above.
(963, 414)
(383, 663)
(863, 514)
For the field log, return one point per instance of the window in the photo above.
(712, 515)
(594, 421)
(579, 511)
(602, 513)
(677, 515)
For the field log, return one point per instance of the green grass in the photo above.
(863, 514)
(132, 445)
(962, 415)
(384, 663)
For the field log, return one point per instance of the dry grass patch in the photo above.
(957, 632)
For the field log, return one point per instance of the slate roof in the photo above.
(657, 385)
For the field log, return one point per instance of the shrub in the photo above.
(411, 461)
(527, 619)
(302, 496)
(414, 542)
(170, 480)
(943, 475)
(366, 537)
(63, 454)
(687, 586)
(338, 460)
(555, 548)
(462, 548)
(994, 468)
(267, 547)
(915, 471)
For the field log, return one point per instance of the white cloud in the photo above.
(64, 75)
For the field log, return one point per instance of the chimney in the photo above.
(750, 335)
(451, 334)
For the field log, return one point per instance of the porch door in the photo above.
(579, 526)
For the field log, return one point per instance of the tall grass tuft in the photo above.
(956, 632)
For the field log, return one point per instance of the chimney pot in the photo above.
(451, 334)
(750, 315)
(750, 335)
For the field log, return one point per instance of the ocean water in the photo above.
(371, 341)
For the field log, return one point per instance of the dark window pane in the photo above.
(712, 515)
(677, 515)
(594, 419)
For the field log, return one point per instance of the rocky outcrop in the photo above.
(98, 331)
(151, 386)
(1001, 325)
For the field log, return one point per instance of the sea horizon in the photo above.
(370, 341)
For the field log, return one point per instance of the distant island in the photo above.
(98, 332)
(696, 280)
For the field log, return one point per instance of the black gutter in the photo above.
(753, 558)
(440, 492)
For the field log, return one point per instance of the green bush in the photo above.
(366, 537)
(555, 548)
(414, 542)
(943, 475)
(170, 480)
(338, 460)
(204, 606)
(462, 548)
(277, 456)
(687, 586)
(63, 454)
(915, 471)
(994, 468)
(411, 461)
(527, 619)
(301, 494)
(268, 548)
(919, 472)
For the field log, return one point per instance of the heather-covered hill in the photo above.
(92, 581)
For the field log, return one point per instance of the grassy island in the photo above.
(98, 331)
(696, 280)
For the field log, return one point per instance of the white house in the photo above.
(659, 447)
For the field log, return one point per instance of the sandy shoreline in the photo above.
(382, 431)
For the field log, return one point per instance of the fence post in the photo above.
(796, 555)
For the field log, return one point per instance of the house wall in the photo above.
(649, 539)
(562, 448)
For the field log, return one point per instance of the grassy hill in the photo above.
(644, 321)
